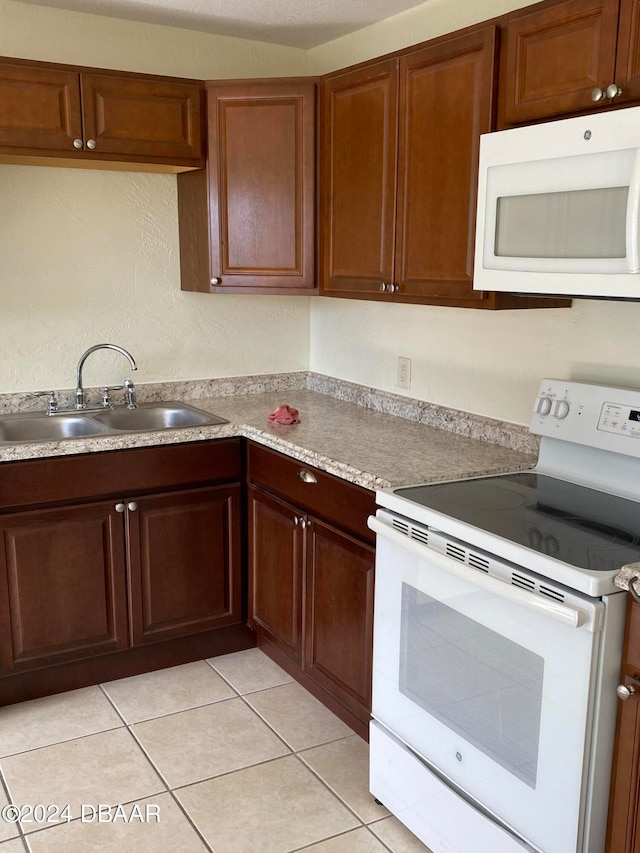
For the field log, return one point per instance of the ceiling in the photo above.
(297, 23)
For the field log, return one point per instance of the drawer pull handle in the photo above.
(306, 476)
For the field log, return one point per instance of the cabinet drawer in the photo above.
(119, 472)
(338, 501)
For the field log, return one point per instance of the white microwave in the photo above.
(559, 208)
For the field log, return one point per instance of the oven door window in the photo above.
(479, 684)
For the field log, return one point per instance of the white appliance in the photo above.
(559, 208)
(498, 636)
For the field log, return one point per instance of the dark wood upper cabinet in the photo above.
(446, 102)
(358, 121)
(39, 108)
(398, 174)
(247, 222)
(554, 58)
(146, 117)
(49, 111)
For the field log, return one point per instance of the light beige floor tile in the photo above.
(8, 829)
(208, 741)
(167, 691)
(15, 846)
(250, 670)
(397, 837)
(344, 766)
(271, 808)
(105, 768)
(171, 832)
(297, 716)
(40, 722)
(358, 841)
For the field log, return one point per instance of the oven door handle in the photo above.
(545, 606)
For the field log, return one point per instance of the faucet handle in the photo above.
(106, 399)
(52, 403)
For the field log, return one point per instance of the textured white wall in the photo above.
(92, 256)
(485, 362)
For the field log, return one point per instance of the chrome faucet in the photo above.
(80, 401)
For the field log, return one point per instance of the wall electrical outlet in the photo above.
(404, 373)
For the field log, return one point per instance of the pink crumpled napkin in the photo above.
(284, 415)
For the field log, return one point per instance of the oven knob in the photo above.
(560, 409)
(543, 405)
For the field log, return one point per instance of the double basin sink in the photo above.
(32, 426)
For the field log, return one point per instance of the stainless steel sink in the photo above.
(154, 416)
(40, 427)
(37, 426)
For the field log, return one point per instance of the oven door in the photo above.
(490, 684)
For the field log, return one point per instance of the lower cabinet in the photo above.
(159, 561)
(623, 833)
(311, 571)
(63, 583)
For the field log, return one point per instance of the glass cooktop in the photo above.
(580, 526)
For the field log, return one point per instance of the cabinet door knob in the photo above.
(597, 94)
(132, 506)
(215, 280)
(91, 144)
(306, 476)
(77, 143)
(613, 91)
(120, 507)
(304, 523)
(625, 691)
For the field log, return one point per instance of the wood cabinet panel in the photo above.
(39, 109)
(256, 231)
(146, 117)
(623, 830)
(339, 617)
(62, 585)
(184, 558)
(276, 572)
(554, 58)
(446, 102)
(311, 583)
(119, 472)
(628, 56)
(50, 111)
(359, 115)
(330, 498)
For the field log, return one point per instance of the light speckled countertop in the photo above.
(367, 447)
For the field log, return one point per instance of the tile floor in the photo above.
(230, 753)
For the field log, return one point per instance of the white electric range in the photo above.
(498, 636)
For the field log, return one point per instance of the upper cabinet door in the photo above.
(142, 117)
(628, 60)
(359, 116)
(262, 186)
(39, 109)
(446, 101)
(553, 59)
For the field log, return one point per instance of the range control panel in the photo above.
(595, 415)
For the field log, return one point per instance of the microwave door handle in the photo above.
(633, 218)
(546, 607)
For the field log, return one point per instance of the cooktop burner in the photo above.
(583, 527)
